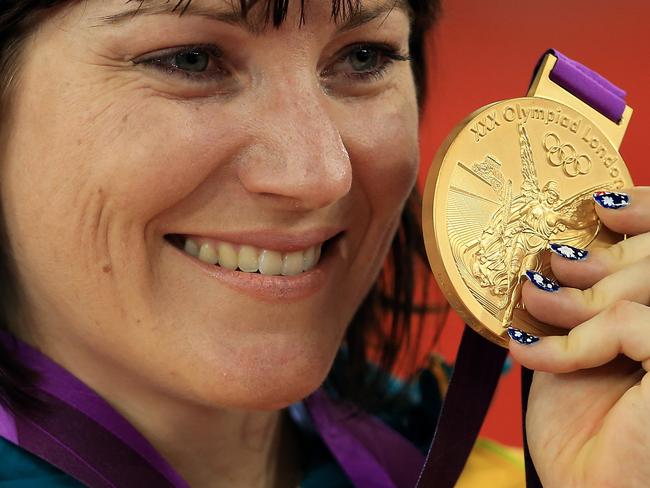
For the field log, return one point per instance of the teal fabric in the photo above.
(20, 469)
(414, 418)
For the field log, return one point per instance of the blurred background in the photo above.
(484, 51)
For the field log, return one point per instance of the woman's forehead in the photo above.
(254, 15)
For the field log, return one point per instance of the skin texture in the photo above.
(590, 398)
(107, 156)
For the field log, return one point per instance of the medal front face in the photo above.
(511, 179)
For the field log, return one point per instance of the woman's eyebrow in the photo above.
(355, 19)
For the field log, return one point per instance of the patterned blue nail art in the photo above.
(568, 252)
(522, 337)
(541, 281)
(611, 199)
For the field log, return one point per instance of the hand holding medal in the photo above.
(542, 244)
(589, 401)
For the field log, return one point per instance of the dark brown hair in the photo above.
(387, 312)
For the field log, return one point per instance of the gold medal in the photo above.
(513, 177)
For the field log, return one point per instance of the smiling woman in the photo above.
(197, 127)
(131, 91)
(224, 184)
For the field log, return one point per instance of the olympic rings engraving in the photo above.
(565, 155)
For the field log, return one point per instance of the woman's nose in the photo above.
(297, 156)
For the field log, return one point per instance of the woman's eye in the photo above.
(198, 63)
(195, 61)
(364, 59)
(365, 62)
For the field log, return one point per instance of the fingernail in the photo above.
(541, 281)
(611, 199)
(522, 337)
(568, 252)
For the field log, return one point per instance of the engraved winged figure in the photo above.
(523, 226)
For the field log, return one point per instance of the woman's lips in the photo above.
(273, 288)
(270, 239)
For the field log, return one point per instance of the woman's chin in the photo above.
(271, 394)
(264, 388)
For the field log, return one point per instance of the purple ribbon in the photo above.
(370, 452)
(85, 437)
(588, 86)
(82, 432)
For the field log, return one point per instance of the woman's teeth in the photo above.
(251, 259)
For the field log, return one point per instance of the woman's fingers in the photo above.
(622, 328)
(604, 298)
(626, 215)
(568, 307)
(598, 263)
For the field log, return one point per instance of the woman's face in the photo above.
(128, 133)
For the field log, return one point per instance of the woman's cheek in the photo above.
(165, 147)
(385, 153)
